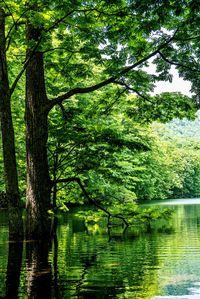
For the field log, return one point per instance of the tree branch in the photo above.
(176, 63)
(34, 50)
(25, 66)
(63, 111)
(15, 24)
(187, 39)
(59, 21)
(115, 100)
(9, 11)
(82, 90)
(134, 90)
(90, 200)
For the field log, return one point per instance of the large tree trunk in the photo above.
(38, 182)
(9, 158)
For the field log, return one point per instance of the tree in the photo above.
(98, 146)
(9, 158)
(179, 141)
(79, 48)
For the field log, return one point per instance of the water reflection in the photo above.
(96, 268)
(13, 269)
(84, 262)
(39, 274)
(173, 202)
(193, 293)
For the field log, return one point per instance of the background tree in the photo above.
(8, 141)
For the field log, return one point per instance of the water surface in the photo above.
(84, 261)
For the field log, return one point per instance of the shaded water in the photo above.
(84, 262)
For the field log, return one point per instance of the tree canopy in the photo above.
(84, 64)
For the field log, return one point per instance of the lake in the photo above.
(84, 261)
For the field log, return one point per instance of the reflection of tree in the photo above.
(179, 254)
(39, 277)
(13, 269)
(91, 292)
(86, 265)
(94, 267)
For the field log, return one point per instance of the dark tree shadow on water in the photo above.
(39, 273)
(13, 269)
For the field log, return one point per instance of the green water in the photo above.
(86, 262)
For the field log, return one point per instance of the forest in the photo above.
(79, 121)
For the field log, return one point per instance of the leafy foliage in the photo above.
(102, 135)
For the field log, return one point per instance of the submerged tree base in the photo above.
(38, 226)
(16, 231)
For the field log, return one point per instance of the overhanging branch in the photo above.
(188, 38)
(177, 63)
(134, 90)
(90, 200)
(112, 79)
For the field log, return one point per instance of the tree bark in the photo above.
(38, 182)
(8, 141)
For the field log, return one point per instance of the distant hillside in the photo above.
(179, 128)
(185, 128)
